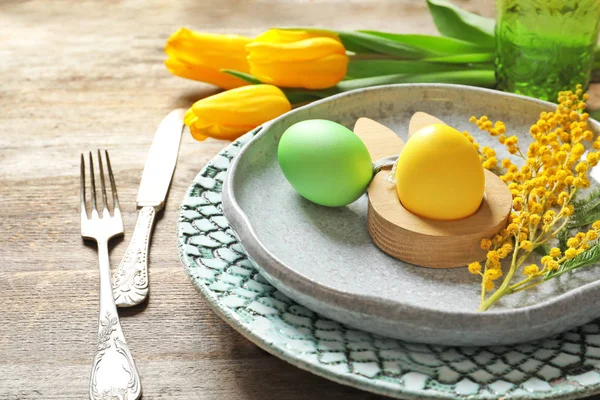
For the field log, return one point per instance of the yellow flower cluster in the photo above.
(543, 188)
(487, 155)
(575, 246)
(494, 257)
(531, 270)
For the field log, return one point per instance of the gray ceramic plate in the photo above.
(566, 366)
(324, 258)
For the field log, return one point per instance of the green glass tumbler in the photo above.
(545, 46)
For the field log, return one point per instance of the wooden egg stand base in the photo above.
(421, 241)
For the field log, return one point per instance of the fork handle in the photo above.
(114, 374)
(130, 281)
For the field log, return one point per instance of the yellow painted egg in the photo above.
(439, 174)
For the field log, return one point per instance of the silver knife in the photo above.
(130, 281)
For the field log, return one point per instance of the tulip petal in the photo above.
(318, 74)
(218, 51)
(290, 36)
(311, 63)
(304, 50)
(229, 114)
(203, 74)
(201, 56)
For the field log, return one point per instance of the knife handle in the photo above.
(130, 281)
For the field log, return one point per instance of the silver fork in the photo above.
(114, 375)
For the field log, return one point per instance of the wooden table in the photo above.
(82, 75)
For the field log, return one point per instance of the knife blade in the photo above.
(161, 161)
(130, 281)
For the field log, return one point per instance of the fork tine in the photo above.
(102, 184)
(93, 184)
(113, 185)
(82, 185)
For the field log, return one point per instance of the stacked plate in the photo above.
(306, 283)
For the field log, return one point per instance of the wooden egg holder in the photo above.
(417, 240)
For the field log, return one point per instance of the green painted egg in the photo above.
(325, 162)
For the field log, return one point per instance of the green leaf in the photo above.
(562, 237)
(542, 250)
(586, 211)
(455, 22)
(591, 201)
(590, 257)
(404, 46)
(464, 58)
(356, 47)
(371, 68)
(439, 45)
(595, 115)
(242, 75)
(358, 42)
(350, 45)
(584, 218)
(596, 68)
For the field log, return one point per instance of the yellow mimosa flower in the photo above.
(230, 114)
(201, 56)
(304, 59)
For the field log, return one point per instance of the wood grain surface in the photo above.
(82, 75)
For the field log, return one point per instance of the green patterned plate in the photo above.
(566, 366)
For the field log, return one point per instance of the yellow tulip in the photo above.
(201, 56)
(311, 60)
(230, 114)
(290, 36)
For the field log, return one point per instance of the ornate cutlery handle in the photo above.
(130, 281)
(114, 375)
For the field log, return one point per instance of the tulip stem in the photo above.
(483, 78)
(366, 68)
